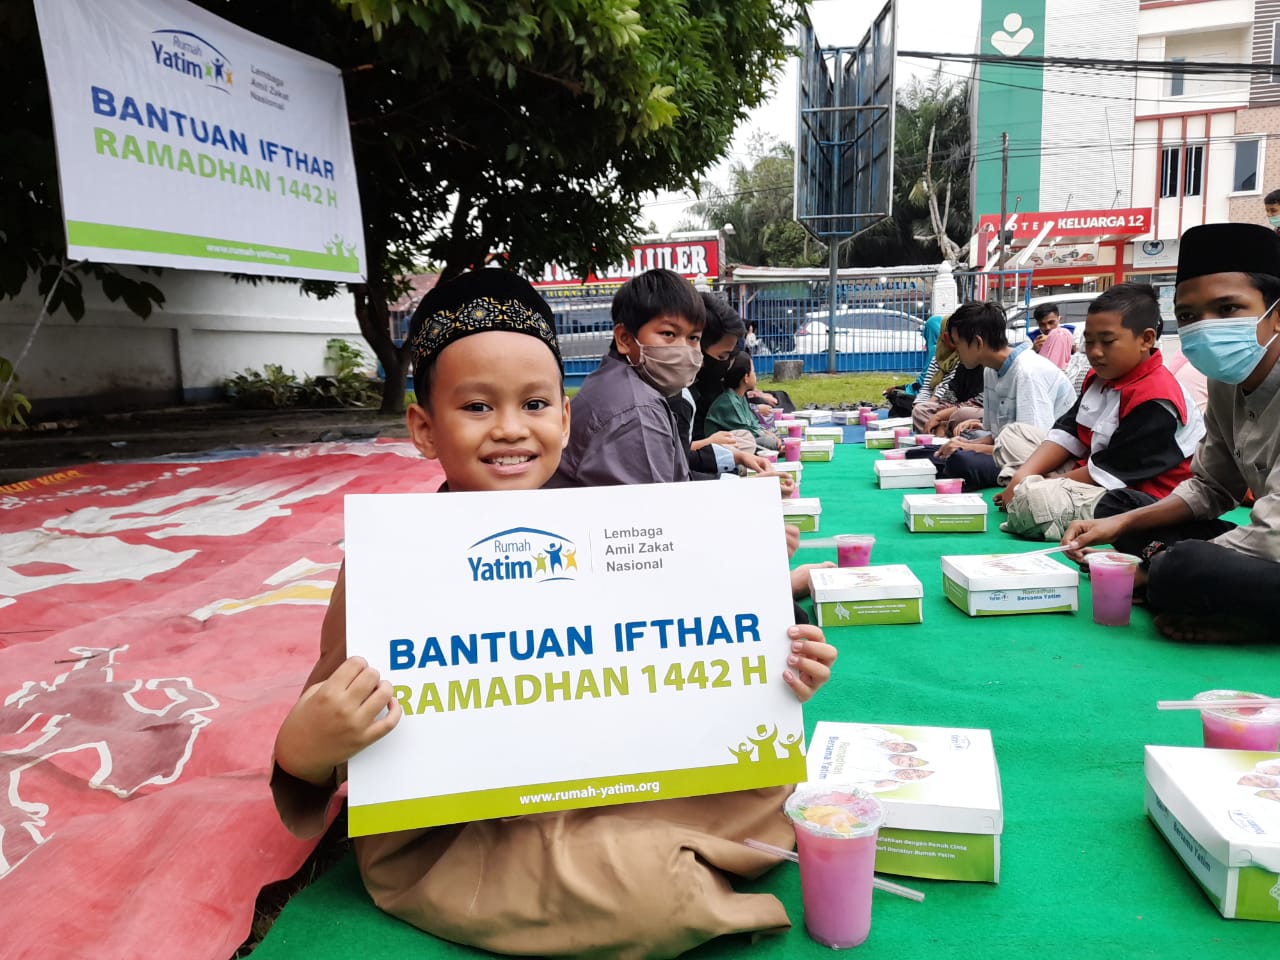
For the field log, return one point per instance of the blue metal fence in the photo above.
(878, 321)
(878, 324)
(1009, 288)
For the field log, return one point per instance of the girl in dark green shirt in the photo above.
(730, 410)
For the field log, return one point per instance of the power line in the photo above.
(1162, 67)
(987, 81)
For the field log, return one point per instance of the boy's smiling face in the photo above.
(497, 417)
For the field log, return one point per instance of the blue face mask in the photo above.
(1225, 350)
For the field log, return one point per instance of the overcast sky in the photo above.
(949, 26)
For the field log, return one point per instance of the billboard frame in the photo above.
(845, 130)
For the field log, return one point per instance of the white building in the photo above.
(1188, 157)
(1199, 152)
(209, 328)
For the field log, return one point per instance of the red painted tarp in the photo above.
(156, 623)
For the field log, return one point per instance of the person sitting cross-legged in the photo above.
(1133, 428)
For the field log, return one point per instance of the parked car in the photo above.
(1074, 309)
(861, 330)
(584, 329)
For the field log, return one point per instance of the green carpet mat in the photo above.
(1070, 706)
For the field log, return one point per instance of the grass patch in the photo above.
(833, 389)
(823, 389)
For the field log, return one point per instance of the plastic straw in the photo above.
(1217, 704)
(819, 543)
(894, 888)
(1039, 553)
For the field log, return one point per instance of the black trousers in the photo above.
(1195, 578)
(1115, 502)
(977, 470)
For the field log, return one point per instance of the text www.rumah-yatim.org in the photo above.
(591, 793)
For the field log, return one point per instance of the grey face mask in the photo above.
(668, 368)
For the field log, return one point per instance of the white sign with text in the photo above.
(185, 141)
(554, 649)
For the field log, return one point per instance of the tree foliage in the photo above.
(758, 203)
(528, 130)
(940, 105)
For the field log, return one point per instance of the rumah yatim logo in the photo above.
(193, 56)
(523, 553)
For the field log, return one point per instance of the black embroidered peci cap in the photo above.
(477, 302)
(1228, 248)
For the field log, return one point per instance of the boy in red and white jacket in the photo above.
(1128, 439)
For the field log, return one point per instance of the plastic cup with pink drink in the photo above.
(901, 432)
(791, 449)
(795, 487)
(836, 828)
(1111, 583)
(895, 453)
(854, 549)
(770, 455)
(1239, 728)
(796, 430)
(949, 485)
(866, 416)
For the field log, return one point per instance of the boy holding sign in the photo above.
(635, 880)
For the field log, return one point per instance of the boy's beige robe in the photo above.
(632, 881)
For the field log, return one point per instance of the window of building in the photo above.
(1178, 79)
(1245, 178)
(1192, 169)
(1275, 51)
(1169, 157)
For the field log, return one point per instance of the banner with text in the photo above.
(185, 141)
(554, 649)
(693, 259)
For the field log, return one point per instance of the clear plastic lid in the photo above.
(834, 809)
(1112, 558)
(1243, 714)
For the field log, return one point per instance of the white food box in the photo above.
(945, 823)
(1225, 832)
(803, 512)
(834, 434)
(945, 513)
(817, 450)
(815, 417)
(856, 596)
(900, 474)
(844, 417)
(891, 423)
(793, 467)
(995, 584)
(879, 439)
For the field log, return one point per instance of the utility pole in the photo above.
(833, 285)
(1004, 201)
